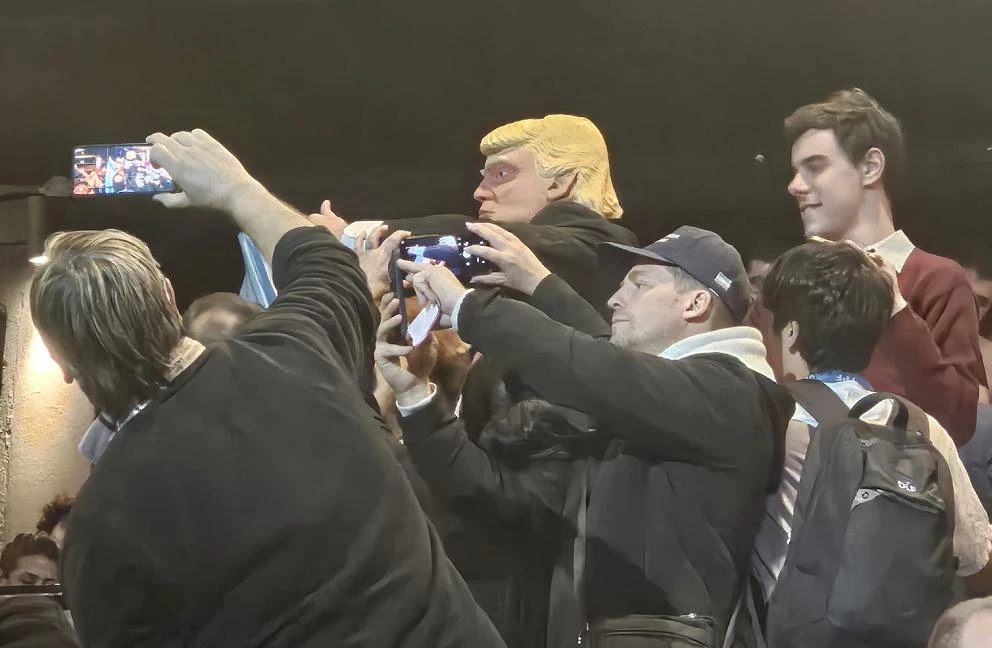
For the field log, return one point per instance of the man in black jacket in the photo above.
(548, 181)
(249, 497)
(696, 419)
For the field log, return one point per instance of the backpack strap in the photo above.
(819, 400)
(908, 417)
(905, 415)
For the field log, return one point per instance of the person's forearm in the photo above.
(263, 217)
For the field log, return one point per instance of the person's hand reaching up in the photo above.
(434, 284)
(329, 220)
(375, 262)
(208, 174)
(404, 368)
(519, 267)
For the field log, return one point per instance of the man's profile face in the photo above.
(648, 310)
(826, 185)
(511, 190)
(33, 570)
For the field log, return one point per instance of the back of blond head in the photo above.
(103, 306)
(564, 144)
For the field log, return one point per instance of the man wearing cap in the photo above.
(684, 394)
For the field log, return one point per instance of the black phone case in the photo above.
(396, 280)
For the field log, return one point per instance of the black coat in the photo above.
(256, 501)
(34, 622)
(676, 501)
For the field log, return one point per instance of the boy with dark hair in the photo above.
(32, 621)
(29, 559)
(830, 303)
(844, 152)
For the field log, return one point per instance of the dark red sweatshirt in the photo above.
(929, 351)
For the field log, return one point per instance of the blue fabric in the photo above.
(839, 377)
(256, 288)
(96, 440)
(976, 455)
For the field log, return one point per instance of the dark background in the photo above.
(380, 105)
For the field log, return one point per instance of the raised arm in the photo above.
(457, 470)
(210, 176)
(665, 406)
(323, 296)
(520, 269)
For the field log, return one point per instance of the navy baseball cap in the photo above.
(704, 255)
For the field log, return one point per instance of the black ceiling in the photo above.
(380, 105)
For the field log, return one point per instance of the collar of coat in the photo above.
(741, 342)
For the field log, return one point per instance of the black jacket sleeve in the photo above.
(323, 301)
(458, 470)
(556, 299)
(678, 409)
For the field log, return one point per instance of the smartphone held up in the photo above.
(117, 169)
(448, 250)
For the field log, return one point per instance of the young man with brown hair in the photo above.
(844, 152)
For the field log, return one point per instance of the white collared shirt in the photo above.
(894, 248)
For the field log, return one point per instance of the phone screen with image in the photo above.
(447, 250)
(116, 169)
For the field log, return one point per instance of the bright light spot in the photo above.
(39, 260)
(39, 359)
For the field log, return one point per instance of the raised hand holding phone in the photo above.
(518, 268)
(405, 368)
(434, 284)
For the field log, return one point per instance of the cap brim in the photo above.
(616, 260)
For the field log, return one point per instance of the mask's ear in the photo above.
(872, 167)
(561, 186)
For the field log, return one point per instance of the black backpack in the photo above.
(871, 559)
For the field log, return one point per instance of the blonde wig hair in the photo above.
(103, 305)
(564, 144)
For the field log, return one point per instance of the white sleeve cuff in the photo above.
(457, 309)
(407, 410)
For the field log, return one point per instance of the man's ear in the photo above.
(561, 186)
(872, 167)
(790, 335)
(699, 306)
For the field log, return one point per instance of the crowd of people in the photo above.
(600, 444)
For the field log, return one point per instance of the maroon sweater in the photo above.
(929, 351)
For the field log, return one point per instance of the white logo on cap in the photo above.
(722, 281)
